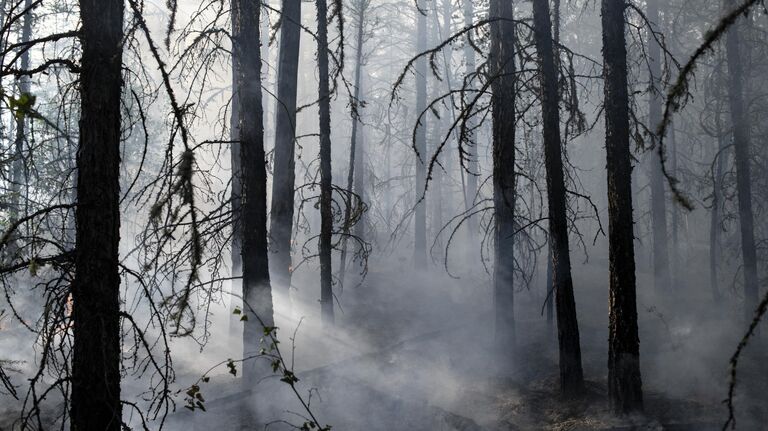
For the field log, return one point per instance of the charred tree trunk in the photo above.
(503, 113)
(326, 180)
(420, 221)
(741, 138)
(257, 292)
(661, 277)
(96, 288)
(571, 374)
(284, 177)
(624, 382)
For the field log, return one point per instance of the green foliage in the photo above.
(22, 105)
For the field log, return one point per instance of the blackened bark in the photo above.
(624, 382)
(741, 138)
(420, 221)
(571, 374)
(257, 293)
(326, 180)
(661, 276)
(503, 114)
(550, 300)
(96, 288)
(285, 136)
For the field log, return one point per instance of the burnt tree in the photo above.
(502, 67)
(326, 179)
(741, 151)
(624, 382)
(571, 374)
(285, 136)
(95, 398)
(257, 292)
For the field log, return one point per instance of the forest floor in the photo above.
(414, 351)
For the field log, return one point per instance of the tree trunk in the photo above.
(96, 288)
(674, 252)
(502, 68)
(717, 196)
(571, 374)
(420, 222)
(326, 180)
(354, 176)
(18, 171)
(624, 382)
(257, 293)
(741, 137)
(283, 181)
(661, 276)
(472, 153)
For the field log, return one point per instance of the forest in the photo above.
(448, 215)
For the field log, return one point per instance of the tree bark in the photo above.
(96, 289)
(571, 374)
(661, 276)
(284, 178)
(257, 292)
(624, 382)
(326, 180)
(741, 138)
(503, 113)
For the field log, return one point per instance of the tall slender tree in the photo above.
(571, 374)
(624, 382)
(18, 175)
(354, 170)
(502, 66)
(420, 220)
(741, 137)
(285, 136)
(326, 180)
(472, 163)
(661, 276)
(95, 398)
(257, 292)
